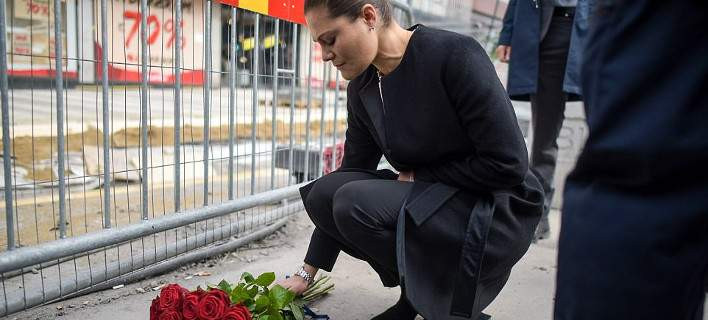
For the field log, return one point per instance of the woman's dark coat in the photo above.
(522, 31)
(474, 204)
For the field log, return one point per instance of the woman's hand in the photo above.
(407, 176)
(295, 283)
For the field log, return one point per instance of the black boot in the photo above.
(543, 230)
(402, 310)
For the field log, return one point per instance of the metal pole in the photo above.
(138, 266)
(309, 108)
(275, 103)
(195, 255)
(178, 98)
(292, 105)
(207, 87)
(491, 24)
(254, 101)
(6, 155)
(28, 256)
(232, 101)
(323, 108)
(336, 113)
(106, 119)
(144, 105)
(406, 7)
(60, 117)
(145, 266)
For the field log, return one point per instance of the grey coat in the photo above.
(523, 29)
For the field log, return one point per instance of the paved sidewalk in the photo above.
(358, 293)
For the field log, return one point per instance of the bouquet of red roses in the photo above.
(250, 299)
(177, 303)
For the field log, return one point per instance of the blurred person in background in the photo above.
(540, 40)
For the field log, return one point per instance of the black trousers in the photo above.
(355, 212)
(548, 104)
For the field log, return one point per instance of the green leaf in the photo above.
(264, 317)
(280, 297)
(265, 279)
(274, 313)
(316, 285)
(262, 303)
(297, 311)
(247, 277)
(224, 285)
(316, 294)
(299, 302)
(239, 295)
(253, 292)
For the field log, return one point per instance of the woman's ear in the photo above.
(370, 16)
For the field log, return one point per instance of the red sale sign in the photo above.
(124, 52)
(32, 40)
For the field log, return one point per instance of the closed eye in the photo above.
(327, 38)
(329, 42)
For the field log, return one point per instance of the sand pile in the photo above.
(37, 155)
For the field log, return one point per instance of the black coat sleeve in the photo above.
(360, 149)
(497, 157)
(323, 251)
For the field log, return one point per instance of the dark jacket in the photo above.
(474, 205)
(523, 28)
(636, 204)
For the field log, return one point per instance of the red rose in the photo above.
(213, 304)
(190, 304)
(170, 315)
(171, 297)
(239, 312)
(155, 308)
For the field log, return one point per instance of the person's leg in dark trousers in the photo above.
(357, 213)
(366, 213)
(548, 107)
(327, 241)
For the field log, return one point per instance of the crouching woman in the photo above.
(462, 210)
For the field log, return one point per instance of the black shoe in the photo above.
(543, 230)
(402, 310)
(484, 316)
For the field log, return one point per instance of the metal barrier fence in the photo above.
(138, 135)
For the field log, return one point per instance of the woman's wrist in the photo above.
(306, 273)
(310, 269)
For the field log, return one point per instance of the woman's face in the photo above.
(350, 45)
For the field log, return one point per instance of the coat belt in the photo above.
(464, 298)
